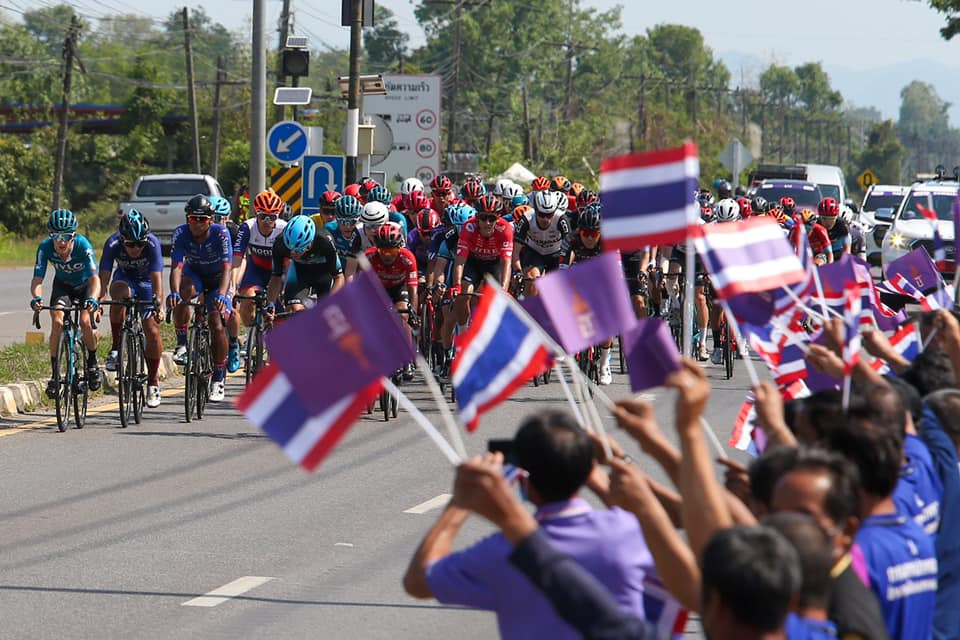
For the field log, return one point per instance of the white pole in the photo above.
(688, 296)
(422, 420)
(732, 322)
(452, 428)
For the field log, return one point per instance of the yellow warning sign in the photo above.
(867, 178)
(288, 183)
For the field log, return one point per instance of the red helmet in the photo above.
(388, 236)
(427, 221)
(828, 208)
(441, 183)
(366, 185)
(490, 204)
(352, 190)
(473, 189)
(540, 183)
(415, 201)
(746, 209)
(788, 205)
(586, 197)
(329, 198)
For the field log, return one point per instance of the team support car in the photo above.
(876, 213)
(805, 194)
(910, 229)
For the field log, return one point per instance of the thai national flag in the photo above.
(904, 287)
(500, 352)
(305, 437)
(649, 197)
(906, 341)
(743, 427)
(939, 248)
(851, 322)
(747, 257)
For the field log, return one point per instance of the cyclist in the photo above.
(441, 193)
(343, 230)
(315, 267)
(75, 278)
(138, 275)
(397, 269)
(411, 207)
(442, 254)
(366, 184)
(485, 245)
(401, 201)
(705, 198)
(817, 236)
(472, 191)
(789, 206)
(382, 195)
(722, 214)
(418, 240)
(201, 265)
(837, 229)
(540, 238)
(328, 202)
(252, 264)
(372, 217)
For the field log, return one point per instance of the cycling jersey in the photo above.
(318, 262)
(546, 242)
(817, 236)
(139, 269)
(839, 236)
(858, 244)
(580, 251)
(420, 248)
(204, 258)
(250, 240)
(343, 243)
(473, 245)
(75, 270)
(402, 272)
(444, 243)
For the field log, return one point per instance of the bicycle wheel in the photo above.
(394, 401)
(385, 404)
(65, 381)
(203, 371)
(249, 368)
(727, 351)
(82, 390)
(623, 356)
(125, 373)
(140, 378)
(190, 377)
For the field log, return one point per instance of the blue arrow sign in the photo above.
(320, 173)
(287, 141)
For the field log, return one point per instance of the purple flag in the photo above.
(534, 306)
(587, 303)
(956, 225)
(339, 347)
(917, 267)
(651, 354)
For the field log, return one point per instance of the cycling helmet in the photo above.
(727, 210)
(548, 202)
(427, 221)
(379, 193)
(473, 190)
(705, 198)
(459, 213)
(352, 190)
(490, 204)
(499, 186)
(586, 197)
(415, 201)
(589, 218)
(62, 221)
(706, 213)
(440, 183)
(388, 236)
(329, 198)
(777, 214)
(374, 214)
(758, 204)
(521, 211)
(512, 190)
(724, 190)
(221, 207)
(809, 216)
(268, 202)
(745, 209)
(576, 189)
(560, 183)
(299, 233)
(348, 207)
(540, 183)
(828, 208)
(410, 185)
(134, 227)
(199, 205)
(367, 184)
(563, 203)
(788, 205)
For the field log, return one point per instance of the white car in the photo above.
(910, 229)
(885, 198)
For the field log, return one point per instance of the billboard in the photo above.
(411, 114)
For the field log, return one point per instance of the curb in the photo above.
(23, 397)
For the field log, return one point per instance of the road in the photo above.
(15, 314)
(112, 533)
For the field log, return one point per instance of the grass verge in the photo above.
(22, 252)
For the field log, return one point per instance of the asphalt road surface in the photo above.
(15, 313)
(204, 530)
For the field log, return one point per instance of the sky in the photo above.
(870, 48)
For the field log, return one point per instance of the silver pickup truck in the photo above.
(161, 199)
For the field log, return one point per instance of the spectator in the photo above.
(558, 458)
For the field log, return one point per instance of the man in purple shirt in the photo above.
(558, 457)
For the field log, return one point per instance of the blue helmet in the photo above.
(221, 207)
(517, 201)
(299, 233)
(348, 207)
(134, 226)
(62, 221)
(460, 213)
(379, 194)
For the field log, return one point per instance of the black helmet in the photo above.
(589, 218)
(724, 189)
(199, 205)
(758, 204)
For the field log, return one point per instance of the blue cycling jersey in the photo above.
(205, 258)
(150, 260)
(343, 244)
(400, 219)
(75, 270)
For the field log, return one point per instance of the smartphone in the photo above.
(504, 446)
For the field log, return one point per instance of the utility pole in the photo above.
(353, 91)
(69, 54)
(191, 92)
(258, 100)
(284, 32)
(215, 153)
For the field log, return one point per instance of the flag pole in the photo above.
(452, 429)
(732, 321)
(558, 370)
(712, 436)
(688, 297)
(800, 303)
(422, 420)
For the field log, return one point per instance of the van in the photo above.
(830, 179)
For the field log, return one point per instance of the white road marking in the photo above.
(429, 505)
(227, 591)
(342, 544)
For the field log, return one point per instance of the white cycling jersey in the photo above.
(259, 247)
(546, 242)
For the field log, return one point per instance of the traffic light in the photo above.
(295, 62)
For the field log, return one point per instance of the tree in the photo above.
(923, 115)
(780, 85)
(384, 43)
(26, 178)
(951, 8)
(883, 154)
(815, 92)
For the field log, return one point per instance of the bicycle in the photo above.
(199, 366)
(131, 361)
(71, 367)
(254, 356)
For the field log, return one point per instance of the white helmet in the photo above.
(727, 210)
(499, 186)
(374, 214)
(512, 190)
(563, 203)
(410, 185)
(548, 202)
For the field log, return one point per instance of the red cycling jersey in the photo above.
(498, 246)
(402, 272)
(817, 236)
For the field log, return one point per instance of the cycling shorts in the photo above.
(530, 259)
(254, 276)
(139, 290)
(474, 270)
(65, 294)
(297, 291)
(205, 284)
(398, 293)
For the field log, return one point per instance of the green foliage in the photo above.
(26, 181)
(883, 154)
(384, 43)
(951, 9)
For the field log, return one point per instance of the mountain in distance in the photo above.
(877, 87)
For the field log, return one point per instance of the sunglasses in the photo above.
(192, 218)
(136, 244)
(487, 218)
(347, 222)
(544, 215)
(62, 237)
(266, 217)
(388, 252)
(589, 234)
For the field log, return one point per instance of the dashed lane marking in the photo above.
(227, 591)
(429, 505)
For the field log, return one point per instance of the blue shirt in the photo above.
(204, 258)
(343, 244)
(401, 220)
(75, 270)
(902, 566)
(608, 544)
(139, 269)
(798, 628)
(919, 490)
